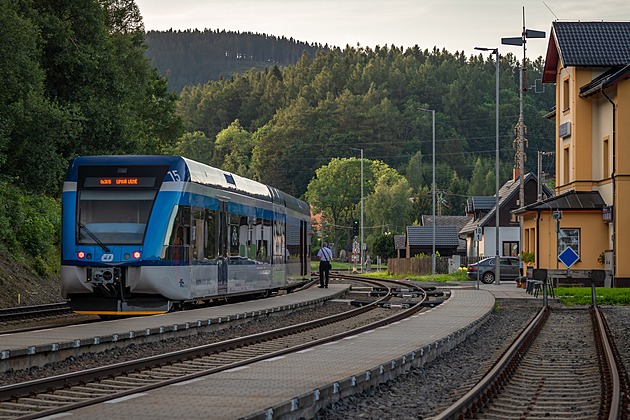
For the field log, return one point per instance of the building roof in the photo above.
(609, 78)
(423, 235)
(570, 200)
(480, 203)
(587, 44)
(506, 192)
(457, 221)
(400, 241)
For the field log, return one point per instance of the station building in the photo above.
(589, 62)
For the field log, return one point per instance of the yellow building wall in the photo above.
(562, 117)
(622, 180)
(580, 166)
(593, 238)
(581, 135)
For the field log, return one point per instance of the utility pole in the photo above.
(520, 151)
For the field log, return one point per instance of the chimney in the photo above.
(515, 174)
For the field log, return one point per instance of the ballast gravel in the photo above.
(426, 391)
(418, 394)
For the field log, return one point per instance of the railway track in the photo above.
(563, 366)
(70, 391)
(36, 311)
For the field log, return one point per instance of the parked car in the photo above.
(484, 270)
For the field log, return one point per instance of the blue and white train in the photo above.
(150, 234)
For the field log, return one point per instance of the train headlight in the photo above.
(80, 255)
(136, 255)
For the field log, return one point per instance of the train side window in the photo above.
(198, 233)
(263, 240)
(279, 249)
(179, 242)
(212, 235)
(235, 234)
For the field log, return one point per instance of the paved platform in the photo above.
(299, 384)
(38, 347)
(507, 290)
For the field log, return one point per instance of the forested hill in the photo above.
(194, 57)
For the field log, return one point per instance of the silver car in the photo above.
(484, 270)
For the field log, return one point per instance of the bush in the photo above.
(30, 228)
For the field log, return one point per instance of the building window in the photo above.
(529, 240)
(525, 239)
(510, 249)
(565, 163)
(569, 238)
(565, 95)
(605, 166)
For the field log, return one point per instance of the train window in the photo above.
(179, 242)
(235, 236)
(198, 234)
(263, 240)
(113, 217)
(279, 249)
(212, 234)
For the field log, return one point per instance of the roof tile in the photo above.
(593, 44)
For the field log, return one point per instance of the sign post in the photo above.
(355, 251)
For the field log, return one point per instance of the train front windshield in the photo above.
(113, 216)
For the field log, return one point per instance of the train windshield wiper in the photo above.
(94, 237)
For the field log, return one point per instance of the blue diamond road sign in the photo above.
(568, 257)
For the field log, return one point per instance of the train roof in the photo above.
(196, 172)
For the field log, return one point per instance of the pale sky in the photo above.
(456, 25)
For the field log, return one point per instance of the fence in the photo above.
(424, 265)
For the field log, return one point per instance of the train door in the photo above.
(304, 249)
(223, 249)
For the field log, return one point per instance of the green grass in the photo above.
(438, 278)
(571, 296)
(335, 266)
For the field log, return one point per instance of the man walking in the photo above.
(325, 257)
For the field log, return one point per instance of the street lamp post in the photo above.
(432, 111)
(361, 244)
(522, 41)
(361, 225)
(497, 262)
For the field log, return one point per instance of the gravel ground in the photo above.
(420, 393)
(137, 351)
(428, 390)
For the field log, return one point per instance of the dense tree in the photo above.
(413, 171)
(79, 84)
(422, 203)
(195, 146)
(336, 192)
(233, 150)
(383, 246)
(334, 103)
(32, 127)
(388, 208)
(194, 57)
(478, 181)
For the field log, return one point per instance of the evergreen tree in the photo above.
(87, 88)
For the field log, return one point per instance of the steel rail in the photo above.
(17, 312)
(475, 400)
(15, 391)
(612, 379)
